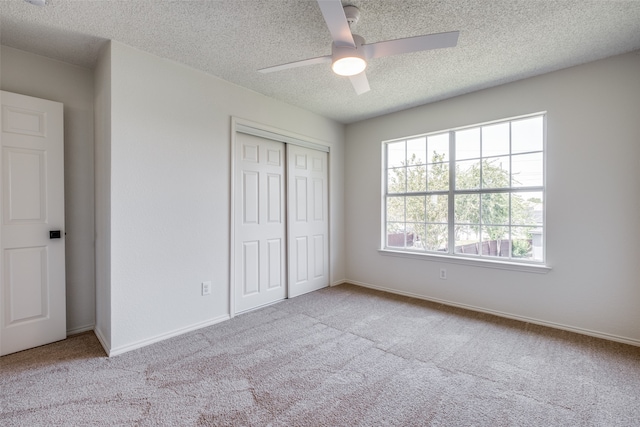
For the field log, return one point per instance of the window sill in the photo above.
(476, 262)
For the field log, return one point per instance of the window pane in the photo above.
(468, 175)
(467, 209)
(416, 179)
(495, 241)
(419, 231)
(526, 170)
(396, 155)
(416, 151)
(495, 140)
(468, 144)
(416, 209)
(527, 135)
(437, 236)
(526, 208)
(467, 239)
(526, 243)
(495, 208)
(495, 172)
(438, 208)
(438, 148)
(536, 244)
(395, 209)
(396, 180)
(438, 178)
(395, 234)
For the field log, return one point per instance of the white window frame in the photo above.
(538, 266)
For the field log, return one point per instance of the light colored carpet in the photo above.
(344, 356)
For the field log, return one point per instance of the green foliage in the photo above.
(521, 248)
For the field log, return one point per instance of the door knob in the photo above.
(54, 234)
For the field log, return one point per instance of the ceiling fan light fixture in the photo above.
(348, 60)
(349, 66)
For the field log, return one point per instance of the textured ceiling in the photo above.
(500, 41)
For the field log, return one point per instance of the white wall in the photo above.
(593, 202)
(102, 117)
(37, 76)
(170, 192)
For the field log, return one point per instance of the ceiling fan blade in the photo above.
(296, 64)
(360, 83)
(411, 44)
(336, 20)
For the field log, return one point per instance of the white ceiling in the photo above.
(500, 41)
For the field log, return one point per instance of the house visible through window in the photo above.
(470, 192)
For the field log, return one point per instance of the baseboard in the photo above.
(143, 343)
(554, 325)
(339, 282)
(80, 329)
(104, 342)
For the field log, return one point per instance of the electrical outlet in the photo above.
(443, 273)
(206, 288)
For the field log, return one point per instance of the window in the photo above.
(470, 192)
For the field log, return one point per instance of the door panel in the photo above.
(302, 270)
(26, 275)
(301, 199)
(260, 229)
(24, 121)
(275, 263)
(318, 199)
(274, 198)
(318, 251)
(308, 226)
(24, 173)
(251, 268)
(250, 197)
(32, 291)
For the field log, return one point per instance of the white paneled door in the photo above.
(260, 227)
(32, 265)
(308, 223)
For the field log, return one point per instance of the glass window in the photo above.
(496, 191)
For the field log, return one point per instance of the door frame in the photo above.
(239, 125)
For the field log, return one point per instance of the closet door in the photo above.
(260, 227)
(308, 222)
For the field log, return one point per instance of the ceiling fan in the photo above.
(349, 53)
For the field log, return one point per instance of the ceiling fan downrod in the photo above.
(352, 14)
